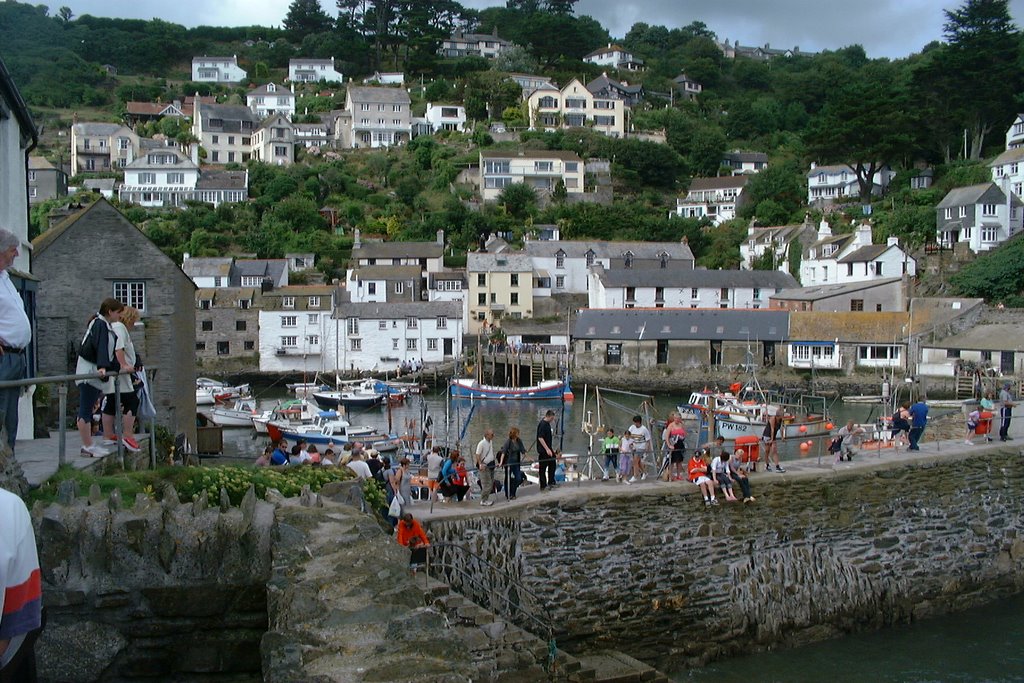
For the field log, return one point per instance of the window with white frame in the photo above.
(314, 302)
(131, 293)
(442, 322)
(313, 318)
(879, 352)
(313, 340)
(962, 213)
(394, 344)
(818, 353)
(289, 321)
(989, 234)
(948, 213)
(382, 325)
(355, 344)
(431, 345)
(400, 287)
(988, 209)
(352, 325)
(410, 344)
(289, 342)
(411, 323)
(147, 179)
(287, 301)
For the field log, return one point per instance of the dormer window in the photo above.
(590, 257)
(560, 259)
(627, 261)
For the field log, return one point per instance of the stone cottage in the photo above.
(98, 253)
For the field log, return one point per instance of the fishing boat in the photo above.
(292, 411)
(548, 389)
(351, 395)
(240, 413)
(329, 427)
(732, 425)
(210, 391)
(303, 389)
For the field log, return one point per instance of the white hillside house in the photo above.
(308, 70)
(217, 70)
(827, 184)
(271, 100)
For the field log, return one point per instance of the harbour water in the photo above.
(984, 644)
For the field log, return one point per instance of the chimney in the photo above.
(193, 152)
(356, 243)
(185, 257)
(893, 241)
(863, 237)
(824, 230)
(440, 237)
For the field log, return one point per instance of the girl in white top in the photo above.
(125, 382)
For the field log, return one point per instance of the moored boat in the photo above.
(240, 414)
(328, 427)
(548, 389)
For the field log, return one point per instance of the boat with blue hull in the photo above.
(548, 389)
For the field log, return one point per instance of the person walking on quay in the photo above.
(546, 451)
(15, 336)
(988, 405)
(640, 440)
(918, 421)
(511, 459)
(485, 464)
(770, 438)
(20, 591)
(129, 398)
(410, 533)
(1006, 403)
(610, 449)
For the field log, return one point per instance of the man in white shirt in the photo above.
(640, 439)
(20, 590)
(361, 469)
(15, 336)
(485, 464)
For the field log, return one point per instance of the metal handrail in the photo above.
(62, 382)
(546, 627)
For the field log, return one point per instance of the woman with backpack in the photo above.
(97, 354)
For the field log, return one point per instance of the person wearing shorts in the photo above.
(697, 471)
(675, 442)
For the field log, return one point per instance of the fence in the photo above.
(62, 382)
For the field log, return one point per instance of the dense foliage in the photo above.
(837, 106)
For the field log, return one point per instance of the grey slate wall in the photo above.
(78, 269)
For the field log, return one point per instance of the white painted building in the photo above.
(1008, 171)
(309, 70)
(164, 177)
(777, 241)
(539, 169)
(675, 288)
(217, 70)
(574, 106)
(840, 259)
(980, 216)
(297, 333)
(385, 78)
(270, 100)
(1015, 133)
(745, 162)
(716, 199)
(614, 56)
(379, 117)
(826, 184)
(224, 131)
(381, 336)
(461, 44)
(429, 256)
(563, 266)
(273, 142)
(445, 117)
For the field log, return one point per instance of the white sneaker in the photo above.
(632, 480)
(969, 442)
(643, 476)
(604, 478)
(96, 450)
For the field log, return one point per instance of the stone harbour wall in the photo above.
(168, 591)
(655, 574)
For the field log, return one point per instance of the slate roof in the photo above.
(272, 268)
(849, 326)
(40, 164)
(973, 194)
(226, 297)
(505, 262)
(151, 108)
(607, 50)
(222, 180)
(698, 277)
(819, 292)
(181, 161)
(604, 81)
(398, 311)
(677, 251)
(681, 324)
(398, 250)
(278, 91)
(992, 337)
(207, 266)
(531, 154)
(868, 253)
(1009, 156)
(720, 183)
(380, 95)
(230, 114)
(100, 184)
(746, 156)
(91, 128)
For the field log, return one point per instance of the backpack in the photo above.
(91, 343)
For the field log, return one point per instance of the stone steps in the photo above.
(611, 666)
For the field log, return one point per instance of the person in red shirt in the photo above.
(697, 471)
(410, 534)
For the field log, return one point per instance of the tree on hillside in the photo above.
(306, 16)
(65, 14)
(975, 77)
(864, 124)
(560, 6)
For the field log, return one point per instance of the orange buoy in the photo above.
(803, 429)
(568, 396)
(829, 426)
(805, 445)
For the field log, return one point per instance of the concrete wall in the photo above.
(817, 556)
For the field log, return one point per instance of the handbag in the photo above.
(395, 508)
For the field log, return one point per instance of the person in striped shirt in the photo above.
(20, 591)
